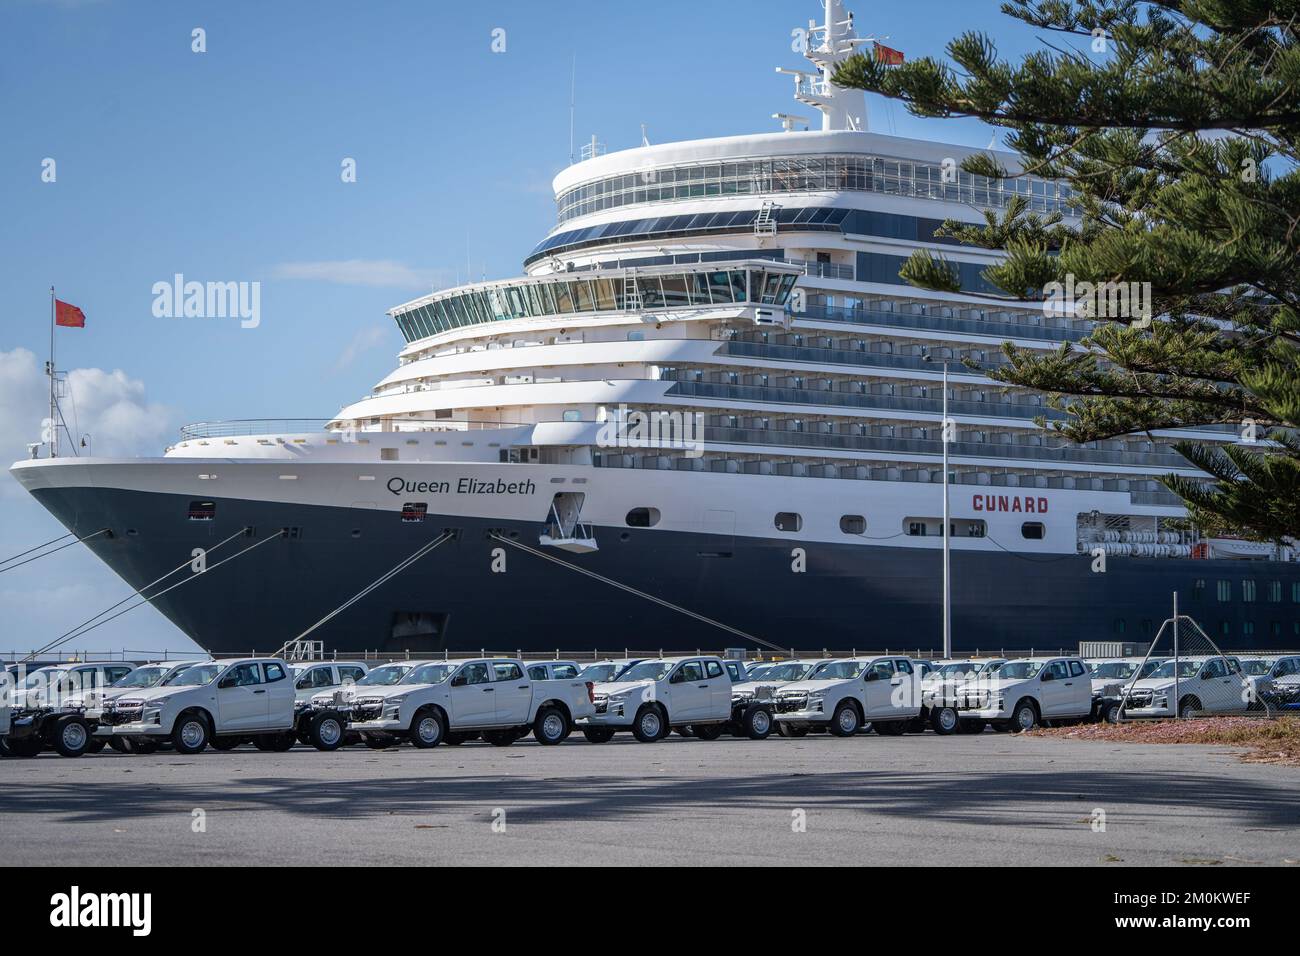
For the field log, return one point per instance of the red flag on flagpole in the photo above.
(888, 55)
(68, 315)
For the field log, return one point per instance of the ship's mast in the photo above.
(827, 45)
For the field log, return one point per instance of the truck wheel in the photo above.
(1024, 717)
(846, 721)
(325, 731)
(944, 720)
(551, 726)
(427, 729)
(118, 744)
(190, 734)
(225, 743)
(790, 730)
(1110, 713)
(707, 731)
(1188, 707)
(24, 746)
(598, 735)
(756, 723)
(650, 724)
(71, 736)
(96, 745)
(276, 743)
(686, 730)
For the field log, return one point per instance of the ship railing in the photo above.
(826, 397)
(937, 323)
(238, 428)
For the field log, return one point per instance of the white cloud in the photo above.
(109, 407)
(384, 273)
(365, 339)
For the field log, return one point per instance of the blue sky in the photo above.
(225, 166)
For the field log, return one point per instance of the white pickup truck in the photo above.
(1205, 685)
(1024, 693)
(93, 701)
(450, 701)
(753, 699)
(655, 696)
(844, 695)
(223, 703)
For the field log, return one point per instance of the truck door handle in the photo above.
(702, 686)
(522, 687)
(487, 690)
(259, 692)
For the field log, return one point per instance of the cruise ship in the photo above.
(708, 414)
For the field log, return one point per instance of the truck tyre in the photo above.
(1110, 712)
(71, 735)
(944, 721)
(551, 726)
(686, 730)
(756, 723)
(846, 721)
(190, 733)
(707, 731)
(225, 743)
(118, 744)
(28, 746)
(427, 728)
(325, 731)
(791, 730)
(1024, 717)
(276, 743)
(1189, 707)
(650, 724)
(598, 735)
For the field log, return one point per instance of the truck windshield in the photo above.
(43, 677)
(599, 673)
(194, 676)
(384, 676)
(143, 677)
(792, 671)
(1185, 669)
(646, 670)
(1113, 670)
(838, 670)
(1020, 670)
(429, 674)
(1257, 668)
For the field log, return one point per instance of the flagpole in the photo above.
(54, 420)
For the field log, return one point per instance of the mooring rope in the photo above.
(631, 590)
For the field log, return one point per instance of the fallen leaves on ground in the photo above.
(1270, 741)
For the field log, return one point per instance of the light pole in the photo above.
(947, 538)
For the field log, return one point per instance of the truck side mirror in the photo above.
(226, 682)
(678, 677)
(1048, 675)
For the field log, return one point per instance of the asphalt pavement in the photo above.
(991, 800)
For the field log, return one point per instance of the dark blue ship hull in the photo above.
(850, 596)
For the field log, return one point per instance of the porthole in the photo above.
(853, 524)
(1033, 530)
(643, 517)
(789, 521)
